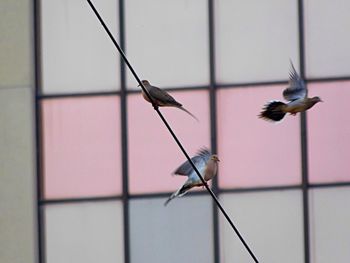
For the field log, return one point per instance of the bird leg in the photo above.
(203, 185)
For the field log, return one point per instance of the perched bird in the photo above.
(162, 98)
(296, 94)
(205, 163)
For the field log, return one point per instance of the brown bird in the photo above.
(296, 94)
(207, 166)
(162, 98)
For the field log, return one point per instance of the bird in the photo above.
(161, 98)
(295, 94)
(207, 165)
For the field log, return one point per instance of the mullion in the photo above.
(175, 89)
(327, 185)
(194, 193)
(124, 135)
(303, 138)
(213, 122)
(261, 189)
(80, 199)
(256, 84)
(81, 94)
(36, 9)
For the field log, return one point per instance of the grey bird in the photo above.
(295, 94)
(206, 164)
(162, 98)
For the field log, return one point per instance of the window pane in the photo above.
(270, 222)
(329, 220)
(255, 152)
(327, 38)
(167, 41)
(328, 133)
(84, 233)
(171, 234)
(77, 54)
(82, 147)
(255, 39)
(153, 154)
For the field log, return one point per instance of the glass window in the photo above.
(153, 154)
(327, 38)
(255, 40)
(84, 232)
(270, 222)
(171, 234)
(329, 223)
(167, 41)
(82, 147)
(328, 133)
(77, 54)
(255, 152)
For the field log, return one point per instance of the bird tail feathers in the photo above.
(273, 111)
(182, 108)
(180, 192)
(169, 199)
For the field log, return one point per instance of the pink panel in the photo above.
(255, 152)
(329, 133)
(153, 154)
(81, 147)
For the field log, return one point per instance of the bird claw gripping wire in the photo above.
(155, 106)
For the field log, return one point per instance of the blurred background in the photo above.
(86, 163)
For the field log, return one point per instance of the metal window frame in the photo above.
(212, 89)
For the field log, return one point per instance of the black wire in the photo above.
(170, 130)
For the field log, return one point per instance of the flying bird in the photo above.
(206, 164)
(162, 98)
(295, 94)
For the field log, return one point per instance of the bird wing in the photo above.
(163, 97)
(200, 161)
(296, 88)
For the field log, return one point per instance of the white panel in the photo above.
(15, 43)
(84, 233)
(327, 38)
(329, 223)
(180, 232)
(17, 187)
(271, 224)
(167, 41)
(255, 39)
(77, 54)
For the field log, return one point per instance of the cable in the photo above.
(170, 130)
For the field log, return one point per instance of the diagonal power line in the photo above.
(171, 131)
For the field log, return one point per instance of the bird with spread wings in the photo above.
(295, 94)
(207, 165)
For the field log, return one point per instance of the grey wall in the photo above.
(17, 162)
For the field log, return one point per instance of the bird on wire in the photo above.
(207, 165)
(162, 98)
(295, 94)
